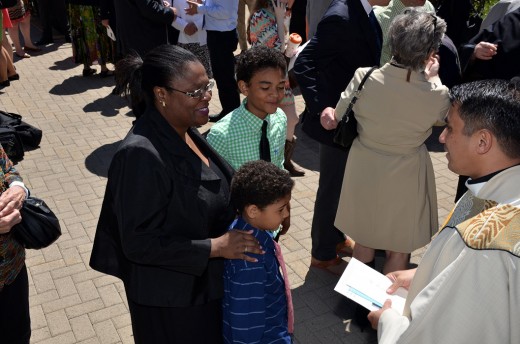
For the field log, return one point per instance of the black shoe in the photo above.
(13, 77)
(216, 118)
(89, 72)
(4, 84)
(44, 41)
(68, 39)
(106, 73)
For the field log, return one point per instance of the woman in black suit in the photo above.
(163, 222)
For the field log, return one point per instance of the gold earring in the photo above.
(163, 103)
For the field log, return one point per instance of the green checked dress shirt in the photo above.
(386, 14)
(236, 137)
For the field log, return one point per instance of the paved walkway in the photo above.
(82, 126)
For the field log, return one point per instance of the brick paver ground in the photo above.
(82, 125)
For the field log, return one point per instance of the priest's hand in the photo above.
(401, 278)
(374, 316)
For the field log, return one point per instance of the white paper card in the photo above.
(111, 34)
(367, 287)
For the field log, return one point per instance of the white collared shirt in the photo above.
(220, 15)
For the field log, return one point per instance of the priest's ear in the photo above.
(485, 142)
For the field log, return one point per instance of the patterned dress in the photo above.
(12, 254)
(90, 41)
(263, 30)
(19, 12)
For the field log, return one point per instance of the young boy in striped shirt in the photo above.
(257, 304)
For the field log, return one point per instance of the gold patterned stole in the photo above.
(486, 225)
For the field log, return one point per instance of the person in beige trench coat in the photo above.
(388, 199)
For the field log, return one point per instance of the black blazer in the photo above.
(344, 41)
(141, 25)
(506, 63)
(161, 205)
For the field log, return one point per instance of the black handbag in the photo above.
(39, 227)
(29, 134)
(346, 131)
(11, 143)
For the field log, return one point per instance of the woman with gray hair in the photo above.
(388, 199)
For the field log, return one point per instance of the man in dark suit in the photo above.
(347, 38)
(53, 13)
(142, 25)
(494, 52)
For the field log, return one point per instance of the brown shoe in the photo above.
(335, 266)
(346, 247)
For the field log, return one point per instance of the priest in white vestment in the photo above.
(467, 286)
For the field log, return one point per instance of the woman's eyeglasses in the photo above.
(197, 94)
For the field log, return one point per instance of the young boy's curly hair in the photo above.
(258, 58)
(260, 183)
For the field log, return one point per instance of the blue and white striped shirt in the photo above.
(255, 305)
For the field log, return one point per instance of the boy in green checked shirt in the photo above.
(257, 129)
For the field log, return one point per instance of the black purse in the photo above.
(12, 144)
(39, 227)
(346, 131)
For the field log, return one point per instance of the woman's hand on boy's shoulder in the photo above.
(235, 244)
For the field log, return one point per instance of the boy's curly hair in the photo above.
(260, 183)
(258, 58)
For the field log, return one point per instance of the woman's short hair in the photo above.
(413, 36)
(136, 77)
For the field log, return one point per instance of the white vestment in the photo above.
(467, 286)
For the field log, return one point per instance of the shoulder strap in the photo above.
(358, 91)
(360, 87)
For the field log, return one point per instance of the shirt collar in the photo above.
(399, 6)
(475, 185)
(250, 118)
(264, 237)
(366, 6)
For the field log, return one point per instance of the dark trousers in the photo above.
(221, 46)
(324, 235)
(298, 22)
(195, 325)
(15, 322)
(53, 13)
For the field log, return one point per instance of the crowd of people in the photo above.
(199, 244)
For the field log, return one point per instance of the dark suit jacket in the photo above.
(344, 41)
(141, 25)
(506, 63)
(449, 70)
(161, 206)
